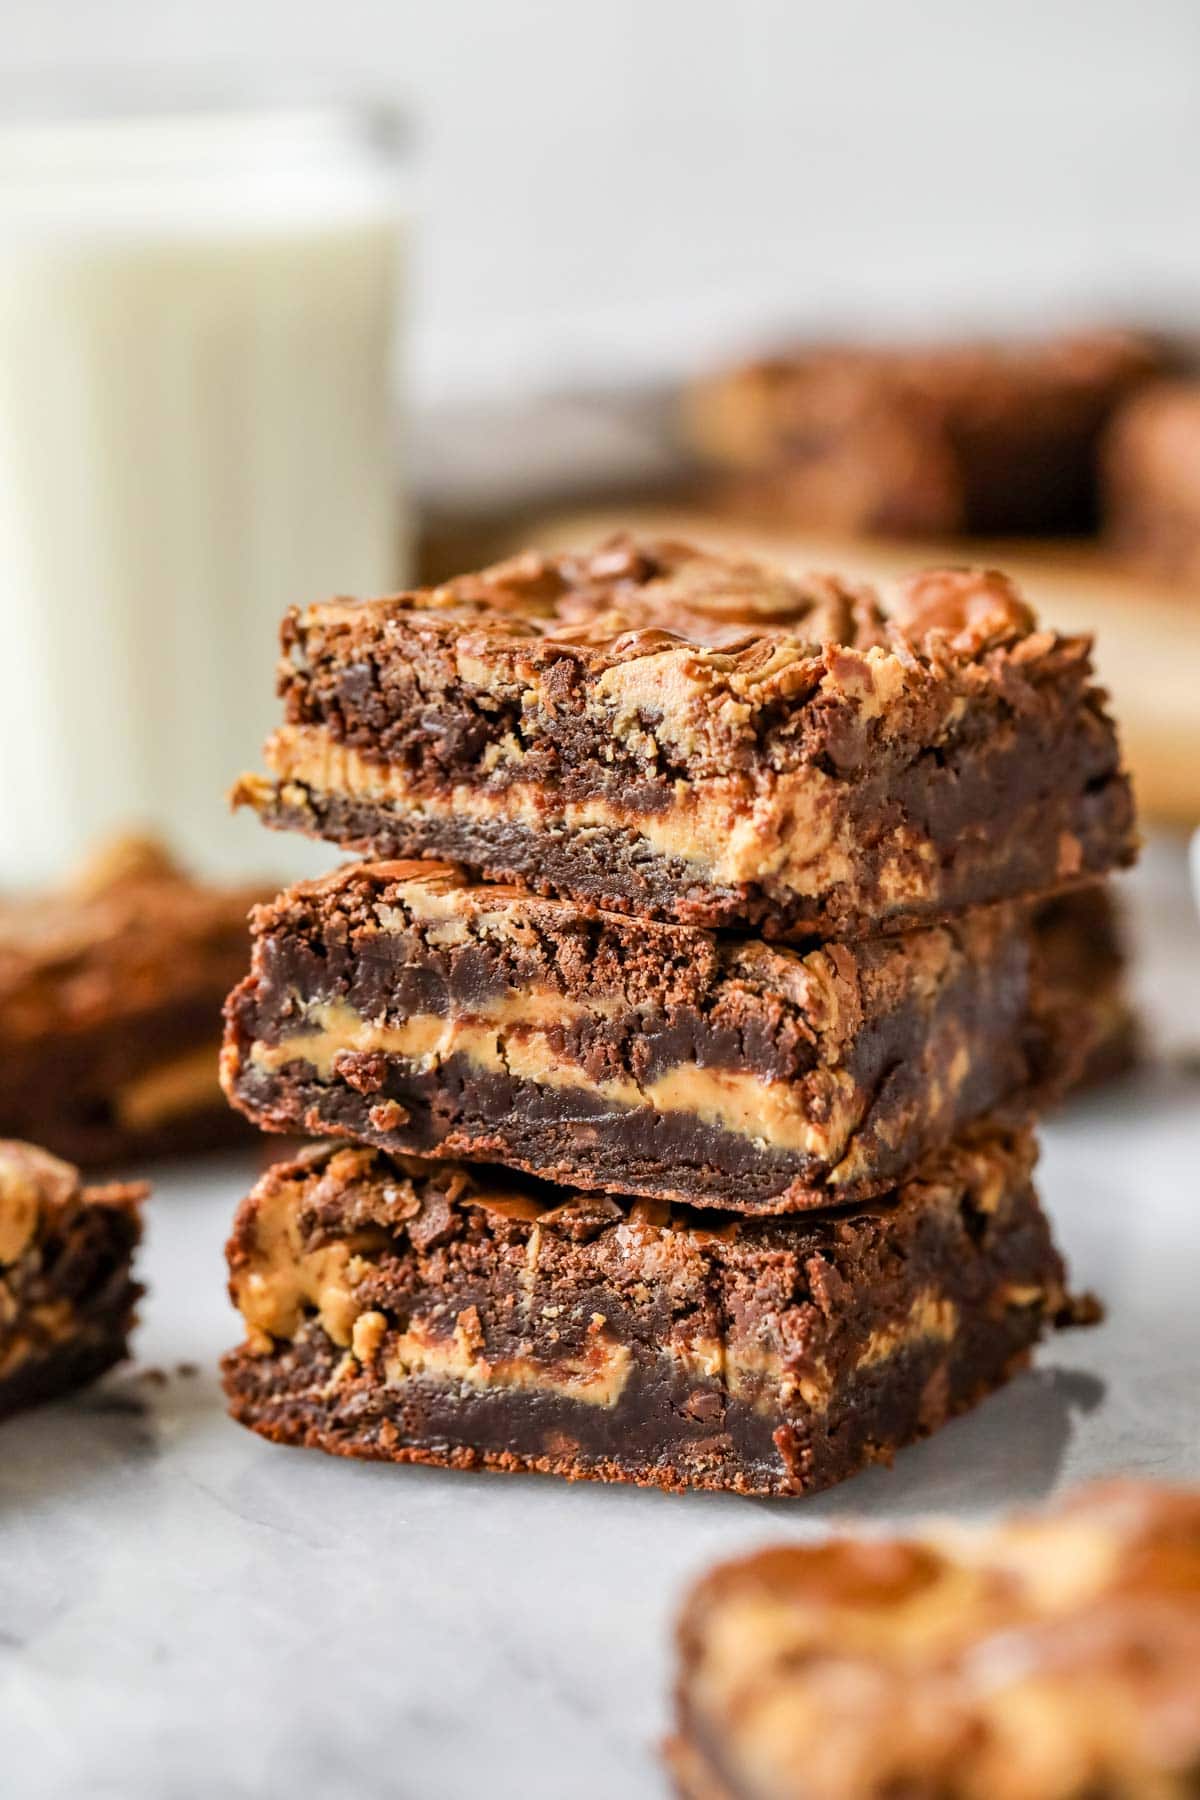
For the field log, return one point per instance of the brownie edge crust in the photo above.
(1051, 1657)
(407, 1311)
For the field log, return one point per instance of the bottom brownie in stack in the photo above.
(415, 1311)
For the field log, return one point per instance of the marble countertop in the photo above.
(187, 1611)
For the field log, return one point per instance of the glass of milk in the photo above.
(198, 427)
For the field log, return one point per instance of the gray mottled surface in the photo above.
(185, 1611)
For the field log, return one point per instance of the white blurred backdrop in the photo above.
(613, 191)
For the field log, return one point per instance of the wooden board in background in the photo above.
(1147, 635)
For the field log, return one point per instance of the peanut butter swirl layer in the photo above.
(110, 1000)
(401, 1006)
(703, 740)
(67, 1294)
(410, 1311)
(1054, 1657)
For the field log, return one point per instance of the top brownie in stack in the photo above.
(698, 739)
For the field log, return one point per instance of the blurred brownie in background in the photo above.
(66, 1287)
(959, 439)
(1152, 480)
(110, 1008)
(1079, 971)
(1047, 1657)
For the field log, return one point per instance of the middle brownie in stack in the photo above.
(399, 1005)
(768, 954)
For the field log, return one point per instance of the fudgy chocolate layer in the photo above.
(397, 1005)
(608, 868)
(665, 1432)
(559, 1134)
(705, 740)
(619, 872)
(409, 1311)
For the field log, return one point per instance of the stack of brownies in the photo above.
(681, 1114)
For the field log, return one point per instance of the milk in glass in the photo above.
(197, 429)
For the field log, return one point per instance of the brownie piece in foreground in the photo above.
(110, 1002)
(701, 739)
(1052, 1657)
(67, 1295)
(411, 1311)
(1152, 481)
(1080, 975)
(398, 1005)
(975, 439)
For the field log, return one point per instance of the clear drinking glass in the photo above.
(198, 427)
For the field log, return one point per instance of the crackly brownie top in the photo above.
(631, 599)
(1051, 1657)
(129, 924)
(39, 1192)
(344, 1191)
(686, 659)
